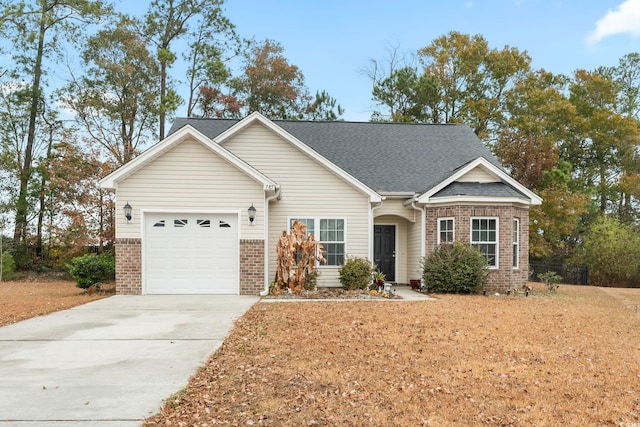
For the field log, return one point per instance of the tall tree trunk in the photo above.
(163, 96)
(43, 184)
(20, 232)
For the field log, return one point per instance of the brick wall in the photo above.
(251, 267)
(128, 266)
(505, 276)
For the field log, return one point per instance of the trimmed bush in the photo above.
(455, 268)
(8, 266)
(89, 269)
(356, 273)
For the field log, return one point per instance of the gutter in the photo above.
(276, 196)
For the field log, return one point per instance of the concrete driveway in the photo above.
(110, 362)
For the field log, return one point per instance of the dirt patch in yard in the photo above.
(37, 296)
(570, 358)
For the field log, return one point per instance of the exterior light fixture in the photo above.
(252, 214)
(127, 211)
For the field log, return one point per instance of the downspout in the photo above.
(373, 208)
(423, 233)
(276, 196)
(423, 224)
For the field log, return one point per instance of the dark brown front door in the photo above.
(384, 250)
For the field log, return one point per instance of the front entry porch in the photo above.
(384, 250)
(396, 248)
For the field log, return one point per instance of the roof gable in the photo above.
(231, 128)
(174, 139)
(458, 177)
(479, 174)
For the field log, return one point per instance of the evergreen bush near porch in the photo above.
(455, 268)
(356, 273)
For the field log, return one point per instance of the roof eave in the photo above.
(397, 194)
(493, 200)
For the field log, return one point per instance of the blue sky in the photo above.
(332, 41)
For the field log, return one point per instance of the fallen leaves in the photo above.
(37, 296)
(462, 360)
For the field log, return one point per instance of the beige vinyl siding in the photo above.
(414, 252)
(309, 190)
(190, 177)
(396, 207)
(478, 174)
(401, 244)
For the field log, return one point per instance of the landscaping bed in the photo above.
(334, 293)
(566, 358)
(38, 295)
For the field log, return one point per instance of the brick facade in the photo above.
(505, 276)
(128, 266)
(251, 267)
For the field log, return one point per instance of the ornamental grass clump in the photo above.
(455, 268)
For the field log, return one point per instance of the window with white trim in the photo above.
(332, 236)
(446, 233)
(484, 237)
(516, 242)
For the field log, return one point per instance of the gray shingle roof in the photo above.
(490, 189)
(387, 157)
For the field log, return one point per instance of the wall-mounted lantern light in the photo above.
(252, 214)
(127, 211)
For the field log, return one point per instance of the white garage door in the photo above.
(191, 253)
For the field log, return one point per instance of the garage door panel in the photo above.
(191, 253)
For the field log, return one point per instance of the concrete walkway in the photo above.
(110, 362)
(406, 293)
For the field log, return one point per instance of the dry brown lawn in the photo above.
(36, 296)
(571, 359)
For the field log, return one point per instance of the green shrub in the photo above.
(356, 273)
(611, 250)
(89, 269)
(551, 280)
(8, 267)
(21, 256)
(455, 268)
(311, 280)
